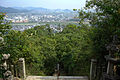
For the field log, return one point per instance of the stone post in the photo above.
(22, 72)
(110, 66)
(58, 72)
(93, 69)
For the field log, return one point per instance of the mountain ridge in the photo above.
(30, 9)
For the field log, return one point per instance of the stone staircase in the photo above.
(57, 78)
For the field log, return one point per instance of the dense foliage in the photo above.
(104, 17)
(4, 28)
(43, 49)
(72, 48)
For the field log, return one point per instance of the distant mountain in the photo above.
(34, 9)
(30, 9)
(62, 10)
(67, 10)
(11, 10)
(21, 9)
(40, 9)
(8, 10)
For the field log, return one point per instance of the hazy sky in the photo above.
(50, 4)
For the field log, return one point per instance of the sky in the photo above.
(50, 4)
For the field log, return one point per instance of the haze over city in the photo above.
(50, 4)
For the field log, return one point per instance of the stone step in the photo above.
(57, 78)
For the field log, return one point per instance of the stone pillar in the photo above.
(110, 68)
(110, 65)
(22, 72)
(93, 69)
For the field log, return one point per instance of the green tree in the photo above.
(4, 28)
(72, 49)
(103, 16)
(43, 49)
